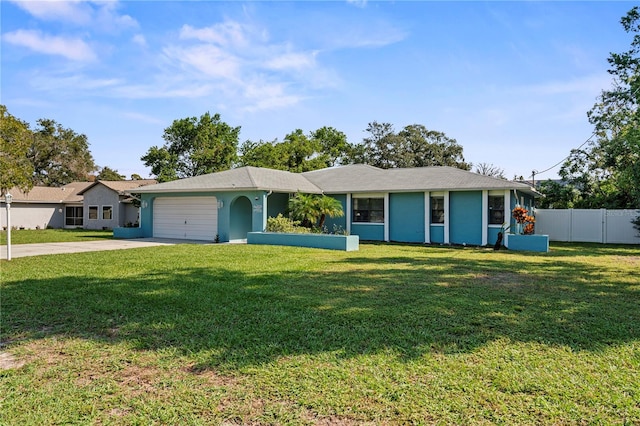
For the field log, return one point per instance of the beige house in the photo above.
(88, 205)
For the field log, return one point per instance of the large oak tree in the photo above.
(194, 146)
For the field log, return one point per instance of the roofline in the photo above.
(192, 190)
(350, 191)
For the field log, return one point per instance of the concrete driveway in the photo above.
(24, 250)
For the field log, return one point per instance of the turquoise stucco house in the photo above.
(421, 205)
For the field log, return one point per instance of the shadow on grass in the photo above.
(408, 305)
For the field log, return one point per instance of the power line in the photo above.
(535, 172)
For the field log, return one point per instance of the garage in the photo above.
(189, 218)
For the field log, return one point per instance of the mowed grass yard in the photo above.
(390, 334)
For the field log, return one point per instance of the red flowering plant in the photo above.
(522, 218)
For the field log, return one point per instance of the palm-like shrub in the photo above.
(312, 210)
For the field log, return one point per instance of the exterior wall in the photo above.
(258, 200)
(465, 214)
(101, 196)
(277, 203)
(32, 216)
(368, 231)
(437, 234)
(130, 214)
(406, 217)
(338, 223)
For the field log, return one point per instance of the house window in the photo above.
(496, 210)
(107, 212)
(93, 212)
(73, 216)
(437, 209)
(368, 210)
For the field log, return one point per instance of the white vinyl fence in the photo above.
(592, 226)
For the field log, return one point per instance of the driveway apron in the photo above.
(24, 250)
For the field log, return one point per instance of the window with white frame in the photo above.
(496, 210)
(73, 216)
(368, 210)
(107, 212)
(93, 212)
(437, 210)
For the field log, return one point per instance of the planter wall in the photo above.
(127, 233)
(517, 242)
(323, 241)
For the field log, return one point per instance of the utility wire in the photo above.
(535, 172)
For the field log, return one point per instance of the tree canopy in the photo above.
(194, 146)
(15, 140)
(49, 155)
(605, 173)
(325, 147)
(107, 173)
(413, 146)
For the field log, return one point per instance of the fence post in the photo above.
(604, 225)
(570, 225)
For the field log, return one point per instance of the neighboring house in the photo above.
(423, 205)
(73, 205)
(45, 207)
(107, 206)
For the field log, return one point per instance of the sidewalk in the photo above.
(24, 250)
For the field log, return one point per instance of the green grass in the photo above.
(391, 334)
(32, 236)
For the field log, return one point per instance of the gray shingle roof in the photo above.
(343, 179)
(363, 178)
(243, 178)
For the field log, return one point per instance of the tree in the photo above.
(298, 152)
(328, 206)
(107, 173)
(557, 195)
(312, 210)
(58, 155)
(15, 140)
(606, 172)
(333, 145)
(194, 147)
(413, 146)
(490, 170)
(136, 176)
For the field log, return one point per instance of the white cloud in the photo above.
(268, 96)
(226, 34)
(140, 40)
(358, 3)
(294, 60)
(95, 14)
(209, 60)
(71, 48)
(76, 12)
(144, 118)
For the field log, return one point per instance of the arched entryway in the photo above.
(240, 218)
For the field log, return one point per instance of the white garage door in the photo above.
(190, 218)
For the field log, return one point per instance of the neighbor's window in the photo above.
(73, 216)
(93, 212)
(496, 210)
(437, 209)
(107, 212)
(368, 210)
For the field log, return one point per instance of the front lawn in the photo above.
(32, 236)
(390, 334)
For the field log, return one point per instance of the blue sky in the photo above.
(510, 81)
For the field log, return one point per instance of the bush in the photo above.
(285, 225)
